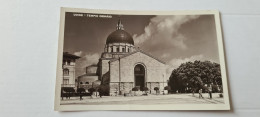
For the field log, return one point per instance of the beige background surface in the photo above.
(29, 42)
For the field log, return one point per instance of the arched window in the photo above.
(81, 82)
(123, 49)
(86, 82)
(65, 81)
(66, 72)
(117, 49)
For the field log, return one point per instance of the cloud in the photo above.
(175, 63)
(164, 29)
(86, 59)
(165, 55)
(78, 53)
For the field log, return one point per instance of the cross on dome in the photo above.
(119, 25)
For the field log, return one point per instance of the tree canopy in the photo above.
(135, 89)
(167, 88)
(91, 90)
(191, 76)
(156, 88)
(145, 89)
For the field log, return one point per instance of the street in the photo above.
(145, 100)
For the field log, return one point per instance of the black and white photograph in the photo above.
(140, 60)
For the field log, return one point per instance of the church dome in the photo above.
(120, 36)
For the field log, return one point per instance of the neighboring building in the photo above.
(68, 67)
(90, 79)
(122, 66)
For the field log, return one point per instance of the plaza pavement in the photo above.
(146, 100)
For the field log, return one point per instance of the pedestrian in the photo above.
(210, 92)
(116, 92)
(80, 92)
(200, 93)
(63, 94)
(100, 92)
(80, 96)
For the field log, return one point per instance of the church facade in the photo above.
(122, 66)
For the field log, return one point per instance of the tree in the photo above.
(145, 89)
(192, 76)
(91, 90)
(103, 89)
(156, 89)
(168, 88)
(135, 89)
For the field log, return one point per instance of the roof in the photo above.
(93, 65)
(88, 74)
(71, 56)
(120, 36)
(141, 52)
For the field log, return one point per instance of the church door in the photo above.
(139, 72)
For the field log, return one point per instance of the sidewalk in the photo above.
(143, 100)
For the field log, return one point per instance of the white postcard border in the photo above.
(225, 106)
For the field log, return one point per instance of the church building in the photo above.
(123, 66)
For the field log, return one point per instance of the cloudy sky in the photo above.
(173, 39)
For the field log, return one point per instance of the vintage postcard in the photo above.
(140, 60)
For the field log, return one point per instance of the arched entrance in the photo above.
(139, 72)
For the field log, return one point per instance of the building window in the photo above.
(123, 49)
(66, 72)
(86, 82)
(117, 49)
(65, 81)
(81, 82)
(108, 49)
(68, 62)
(128, 49)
